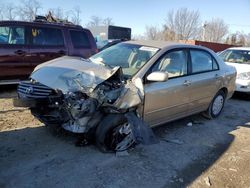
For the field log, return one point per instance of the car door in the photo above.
(166, 101)
(46, 43)
(204, 80)
(13, 52)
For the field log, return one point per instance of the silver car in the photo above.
(113, 96)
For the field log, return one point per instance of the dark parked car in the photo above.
(24, 45)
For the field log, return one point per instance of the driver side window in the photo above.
(174, 62)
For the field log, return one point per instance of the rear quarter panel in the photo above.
(229, 76)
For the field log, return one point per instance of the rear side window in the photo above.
(46, 37)
(79, 39)
(202, 61)
(12, 35)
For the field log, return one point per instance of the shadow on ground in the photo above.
(38, 157)
(8, 91)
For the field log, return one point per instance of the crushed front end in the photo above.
(80, 95)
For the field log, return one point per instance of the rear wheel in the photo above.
(114, 133)
(215, 106)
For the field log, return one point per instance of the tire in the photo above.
(216, 106)
(106, 130)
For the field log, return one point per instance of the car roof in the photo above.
(40, 23)
(164, 44)
(240, 48)
(152, 43)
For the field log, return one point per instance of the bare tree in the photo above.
(1, 12)
(10, 11)
(29, 9)
(241, 39)
(238, 38)
(215, 30)
(70, 15)
(184, 23)
(98, 21)
(234, 39)
(94, 21)
(76, 15)
(138, 37)
(58, 13)
(107, 21)
(153, 33)
(168, 34)
(247, 40)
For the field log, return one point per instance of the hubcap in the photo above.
(122, 138)
(218, 104)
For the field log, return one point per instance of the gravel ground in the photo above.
(210, 153)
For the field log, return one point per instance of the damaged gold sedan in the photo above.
(112, 97)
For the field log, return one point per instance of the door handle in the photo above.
(216, 76)
(61, 52)
(187, 83)
(20, 52)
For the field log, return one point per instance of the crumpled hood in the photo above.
(72, 74)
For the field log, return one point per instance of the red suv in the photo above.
(24, 45)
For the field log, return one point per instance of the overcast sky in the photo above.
(138, 13)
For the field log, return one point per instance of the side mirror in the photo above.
(158, 76)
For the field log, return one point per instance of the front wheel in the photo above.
(215, 106)
(114, 133)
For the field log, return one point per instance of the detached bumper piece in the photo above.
(31, 103)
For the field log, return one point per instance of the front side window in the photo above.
(202, 61)
(236, 56)
(79, 39)
(174, 63)
(12, 35)
(130, 57)
(46, 37)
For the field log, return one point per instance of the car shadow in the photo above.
(8, 91)
(202, 142)
(241, 96)
(198, 147)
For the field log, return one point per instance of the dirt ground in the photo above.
(210, 153)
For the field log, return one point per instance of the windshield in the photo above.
(236, 56)
(129, 57)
